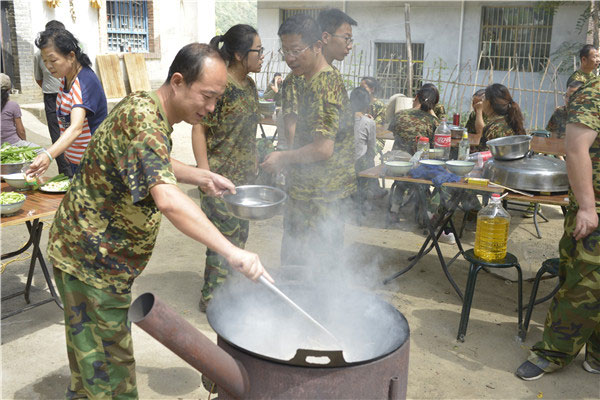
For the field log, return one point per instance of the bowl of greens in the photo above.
(14, 158)
(11, 202)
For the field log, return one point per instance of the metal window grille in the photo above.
(515, 37)
(127, 26)
(311, 12)
(392, 67)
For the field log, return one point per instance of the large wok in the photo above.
(268, 351)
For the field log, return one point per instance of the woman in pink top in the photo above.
(11, 126)
(80, 103)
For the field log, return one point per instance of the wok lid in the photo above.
(251, 318)
(536, 173)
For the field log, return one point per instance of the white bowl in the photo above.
(431, 162)
(16, 180)
(397, 168)
(459, 167)
(6, 209)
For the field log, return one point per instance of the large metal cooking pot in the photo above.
(266, 351)
(536, 173)
(509, 147)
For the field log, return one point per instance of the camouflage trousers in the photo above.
(313, 232)
(236, 230)
(573, 319)
(98, 341)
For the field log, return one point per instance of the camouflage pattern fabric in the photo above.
(584, 108)
(573, 319)
(410, 124)
(231, 133)
(101, 360)
(495, 128)
(377, 111)
(470, 125)
(292, 88)
(234, 229)
(580, 76)
(325, 111)
(313, 232)
(105, 228)
(271, 95)
(440, 111)
(558, 122)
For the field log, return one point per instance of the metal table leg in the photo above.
(35, 229)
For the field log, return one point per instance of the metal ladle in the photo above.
(282, 295)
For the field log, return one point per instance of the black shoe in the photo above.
(528, 371)
(203, 304)
(590, 367)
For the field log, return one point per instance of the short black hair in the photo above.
(64, 42)
(189, 61)
(585, 51)
(371, 82)
(331, 19)
(238, 39)
(54, 24)
(303, 25)
(360, 99)
(479, 93)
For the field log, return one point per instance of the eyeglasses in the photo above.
(293, 53)
(349, 39)
(260, 51)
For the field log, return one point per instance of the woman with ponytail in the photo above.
(225, 142)
(80, 103)
(504, 117)
(417, 121)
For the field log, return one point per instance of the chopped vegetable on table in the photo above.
(10, 154)
(11, 197)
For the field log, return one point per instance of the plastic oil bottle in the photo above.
(491, 234)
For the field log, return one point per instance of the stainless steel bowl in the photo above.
(15, 168)
(6, 209)
(255, 201)
(510, 147)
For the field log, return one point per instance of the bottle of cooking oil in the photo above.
(491, 234)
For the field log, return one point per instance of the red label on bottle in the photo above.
(442, 140)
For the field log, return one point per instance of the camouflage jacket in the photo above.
(584, 108)
(495, 128)
(271, 95)
(325, 110)
(580, 76)
(558, 122)
(377, 111)
(440, 111)
(231, 133)
(410, 124)
(105, 228)
(291, 92)
(470, 125)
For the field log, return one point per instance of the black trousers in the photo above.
(52, 120)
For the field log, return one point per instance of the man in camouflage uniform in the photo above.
(225, 143)
(409, 125)
(573, 319)
(291, 93)
(321, 163)
(590, 60)
(558, 121)
(106, 226)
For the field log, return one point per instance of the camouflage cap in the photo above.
(6, 84)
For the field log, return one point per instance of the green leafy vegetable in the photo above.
(11, 197)
(10, 154)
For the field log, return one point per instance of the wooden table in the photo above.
(436, 226)
(552, 146)
(37, 205)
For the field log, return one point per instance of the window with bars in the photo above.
(311, 12)
(127, 26)
(515, 37)
(392, 67)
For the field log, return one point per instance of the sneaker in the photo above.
(590, 368)
(528, 371)
(447, 238)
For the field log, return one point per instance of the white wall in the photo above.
(177, 23)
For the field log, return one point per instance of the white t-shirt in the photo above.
(364, 136)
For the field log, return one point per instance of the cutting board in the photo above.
(135, 63)
(111, 75)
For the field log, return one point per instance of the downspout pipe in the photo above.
(460, 37)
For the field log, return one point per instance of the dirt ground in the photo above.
(34, 362)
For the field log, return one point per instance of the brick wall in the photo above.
(24, 79)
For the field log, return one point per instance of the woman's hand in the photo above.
(39, 165)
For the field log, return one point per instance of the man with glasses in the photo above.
(321, 160)
(336, 36)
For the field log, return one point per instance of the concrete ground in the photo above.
(34, 362)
